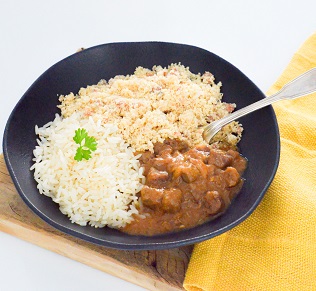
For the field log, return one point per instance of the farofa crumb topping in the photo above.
(153, 105)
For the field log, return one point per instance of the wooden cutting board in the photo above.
(153, 270)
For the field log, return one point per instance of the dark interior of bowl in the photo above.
(260, 142)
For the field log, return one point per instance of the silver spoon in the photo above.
(301, 86)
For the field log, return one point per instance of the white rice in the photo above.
(100, 191)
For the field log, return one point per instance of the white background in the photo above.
(259, 37)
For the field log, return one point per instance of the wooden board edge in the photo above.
(84, 255)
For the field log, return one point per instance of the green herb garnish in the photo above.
(87, 144)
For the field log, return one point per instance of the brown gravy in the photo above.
(185, 187)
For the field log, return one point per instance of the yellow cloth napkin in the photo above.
(275, 248)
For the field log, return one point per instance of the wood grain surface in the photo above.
(153, 270)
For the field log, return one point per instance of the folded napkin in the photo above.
(275, 248)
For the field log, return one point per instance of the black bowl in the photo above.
(260, 142)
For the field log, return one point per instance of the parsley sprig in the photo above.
(87, 144)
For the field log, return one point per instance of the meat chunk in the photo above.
(231, 176)
(177, 145)
(219, 159)
(151, 197)
(146, 161)
(160, 148)
(196, 154)
(203, 148)
(146, 157)
(161, 164)
(171, 201)
(156, 177)
(189, 174)
(187, 171)
(200, 166)
(213, 202)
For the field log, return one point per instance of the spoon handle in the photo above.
(301, 86)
